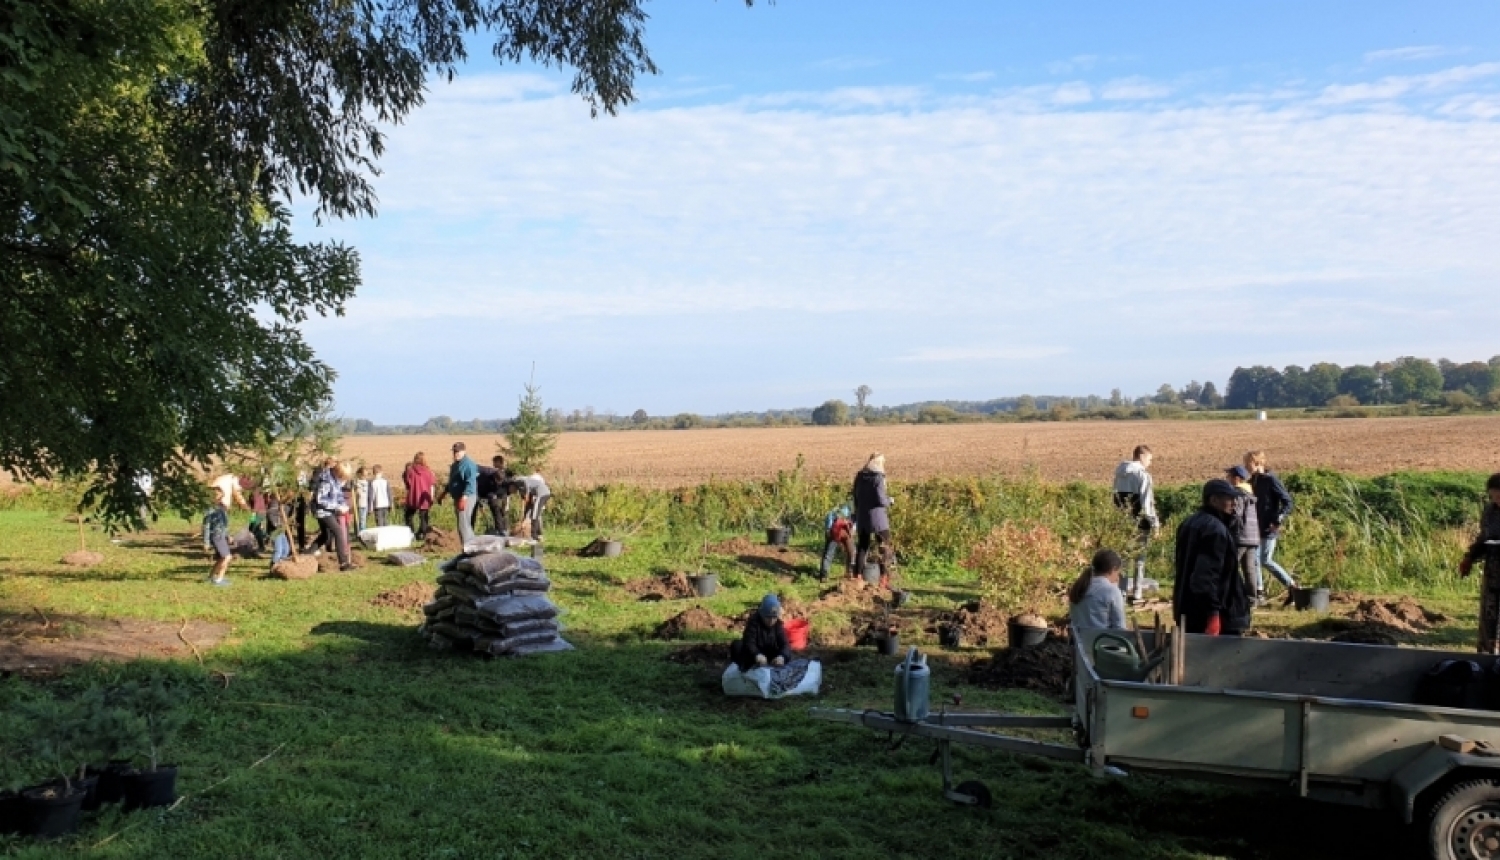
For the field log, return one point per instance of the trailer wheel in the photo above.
(1465, 822)
(977, 790)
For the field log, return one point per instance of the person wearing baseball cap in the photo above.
(764, 640)
(1209, 595)
(463, 486)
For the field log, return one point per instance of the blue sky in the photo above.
(956, 200)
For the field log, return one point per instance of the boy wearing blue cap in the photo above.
(838, 531)
(764, 640)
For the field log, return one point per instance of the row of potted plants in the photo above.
(105, 746)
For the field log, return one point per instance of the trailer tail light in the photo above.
(1140, 712)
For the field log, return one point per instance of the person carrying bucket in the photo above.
(764, 640)
(871, 518)
(838, 533)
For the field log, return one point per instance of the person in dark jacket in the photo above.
(1246, 531)
(1486, 548)
(764, 640)
(872, 522)
(1209, 594)
(492, 494)
(1273, 504)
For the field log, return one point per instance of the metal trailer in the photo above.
(1327, 721)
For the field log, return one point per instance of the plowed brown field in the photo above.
(1185, 450)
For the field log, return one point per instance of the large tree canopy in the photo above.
(150, 286)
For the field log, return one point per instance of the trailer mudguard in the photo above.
(1428, 769)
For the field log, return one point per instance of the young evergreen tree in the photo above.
(531, 437)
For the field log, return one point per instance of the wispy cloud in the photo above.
(706, 248)
(1134, 89)
(1073, 65)
(968, 77)
(1411, 52)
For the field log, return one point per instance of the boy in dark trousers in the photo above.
(216, 539)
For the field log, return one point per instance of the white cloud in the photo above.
(848, 64)
(1398, 86)
(1072, 65)
(1134, 89)
(951, 240)
(1411, 52)
(969, 78)
(1075, 93)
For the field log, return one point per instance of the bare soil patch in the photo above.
(441, 541)
(302, 567)
(695, 620)
(328, 562)
(37, 644)
(83, 558)
(668, 586)
(1044, 669)
(700, 654)
(1061, 451)
(409, 597)
(979, 625)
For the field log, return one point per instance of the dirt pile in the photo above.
(441, 541)
(301, 568)
(977, 625)
(668, 586)
(1044, 669)
(411, 596)
(83, 558)
(695, 620)
(1405, 615)
(328, 562)
(700, 654)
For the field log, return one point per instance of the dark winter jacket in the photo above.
(489, 482)
(870, 502)
(1273, 504)
(1208, 575)
(1246, 526)
(771, 642)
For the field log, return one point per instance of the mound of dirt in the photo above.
(700, 654)
(328, 562)
(83, 558)
(441, 541)
(695, 620)
(668, 586)
(1405, 615)
(411, 596)
(1044, 669)
(847, 594)
(743, 546)
(980, 626)
(302, 568)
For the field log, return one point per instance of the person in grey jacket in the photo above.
(871, 519)
(1094, 600)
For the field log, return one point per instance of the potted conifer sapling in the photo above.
(157, 707)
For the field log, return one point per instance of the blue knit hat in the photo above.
(770, 607)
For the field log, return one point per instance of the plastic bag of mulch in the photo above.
(512, 644)
(513, 585)
(461, 592)
(438, 605)
(484, 544)
(491, 565)
(531, 625)
(517, 607)
(405, 559)
(553, 646)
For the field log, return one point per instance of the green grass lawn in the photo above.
(380, 747)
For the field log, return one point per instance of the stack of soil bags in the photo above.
(495, 603)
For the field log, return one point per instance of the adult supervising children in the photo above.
(872, 520)
(463, 486)
(1273, 504)
(1209, 594)
(1135, 493)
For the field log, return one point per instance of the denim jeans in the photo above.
(1267, 550)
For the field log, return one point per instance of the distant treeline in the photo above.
(1406, 385)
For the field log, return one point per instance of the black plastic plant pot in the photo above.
(89, 785)
(50, 813)
(613, 548)
(111, 787)
(1025, 635)
(1315, 599)
(778, 536)
(900, 597)
(12, 813)
(951, 637)
(706, 584)
(145, 789)
(888, 645)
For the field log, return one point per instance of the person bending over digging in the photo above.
(1486, 548)
(1095, 601)
(1209, 595)
(871, 519)
(838, 533)
(216, 538)
(535, 493)
(764, 640)
(491, 486)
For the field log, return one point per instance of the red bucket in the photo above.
(796, 633)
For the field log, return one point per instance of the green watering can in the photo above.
(1116, 659)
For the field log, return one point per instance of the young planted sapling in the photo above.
(158, 707)
(57, 738)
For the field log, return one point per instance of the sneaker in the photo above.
(219, 583)
(1260, 599)
(346, 567)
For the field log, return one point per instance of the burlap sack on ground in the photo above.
(301, 568)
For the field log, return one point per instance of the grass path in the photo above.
(384, 749)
